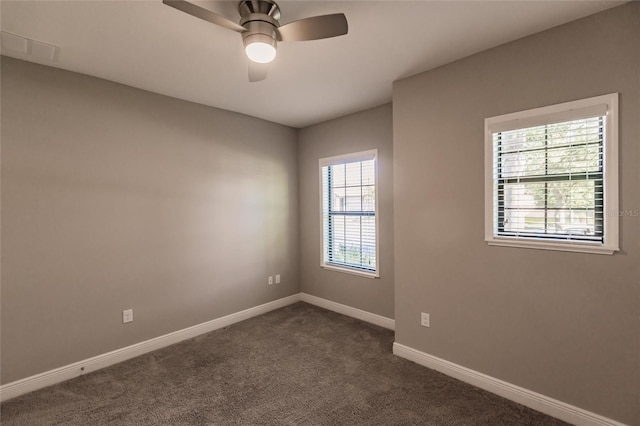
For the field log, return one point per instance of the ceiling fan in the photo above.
(261, 29)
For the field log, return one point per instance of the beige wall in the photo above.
(357, 132)
(116, 198)
(566, 325)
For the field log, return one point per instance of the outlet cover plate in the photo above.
(425, 321)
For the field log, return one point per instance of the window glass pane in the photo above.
(585, 158)
(524, 220)
(563, 194)
(354, 199)
(369, 198)
(353, 174)
(337, 175)
(325, 189)
(578, 194)
(519, 140)
(575, 132)
(337, 240)
(368, 172)
(352, 239)
(524, 195)
(574, 222)
(338, 200)
(369, 241)
(570, 207)
(529, 163)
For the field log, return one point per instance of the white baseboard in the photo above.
(51, 377)
(542, 403)
(349, 311)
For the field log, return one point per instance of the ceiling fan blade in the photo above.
(202, 13)
(314, 28)
(257, 72)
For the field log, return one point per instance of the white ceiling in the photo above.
(145, 44)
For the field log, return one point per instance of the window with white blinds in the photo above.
(552, 177)
(349, 207)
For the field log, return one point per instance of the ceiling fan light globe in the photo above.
(260, 52)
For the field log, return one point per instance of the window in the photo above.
(349, 206)
(551, 177)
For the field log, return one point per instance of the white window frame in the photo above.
(371, 154)
(547, 115)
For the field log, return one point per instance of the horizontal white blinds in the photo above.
(548, 180)
(349, 210)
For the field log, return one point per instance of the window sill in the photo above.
(350, 271)
(576, 247)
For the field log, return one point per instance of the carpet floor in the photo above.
(299, 365)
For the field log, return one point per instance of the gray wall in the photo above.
(566, 325)
(356, 132)
(116, 198)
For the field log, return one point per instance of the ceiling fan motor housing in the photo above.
(260, 18)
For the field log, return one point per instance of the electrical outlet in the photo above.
(425, 320)
(127, 316)
(270, 281)
(278, 279)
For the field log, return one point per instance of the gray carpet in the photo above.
(300, 365)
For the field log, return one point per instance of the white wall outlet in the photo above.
(127, 316)
(270, 280)
(424, 320)
(278, 279)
